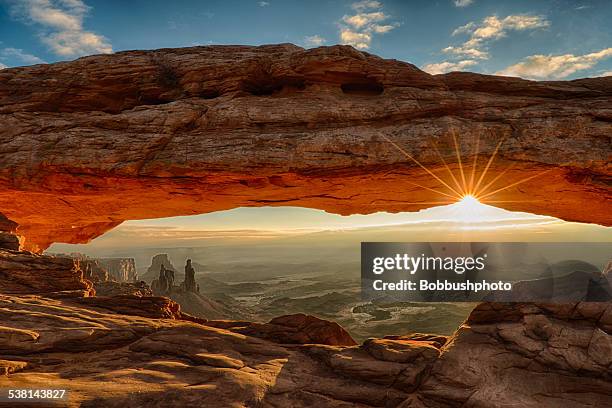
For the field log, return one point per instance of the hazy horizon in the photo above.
(302, 226)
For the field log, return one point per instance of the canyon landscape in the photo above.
(88, 144)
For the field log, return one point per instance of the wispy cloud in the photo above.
(447, 66)
(61, 23)
(21, 56)
(462, 3)
(365, 5)
(263, 4)
(2, 66)
(314, 41)
(481, 35)
(555, 66)
(490, 29)
(358, 29)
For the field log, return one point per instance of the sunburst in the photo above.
(469, 186)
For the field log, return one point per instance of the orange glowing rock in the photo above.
(87, 144)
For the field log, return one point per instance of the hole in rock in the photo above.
(271, 86)
(365, 88)
(258, 263)
(209, 94)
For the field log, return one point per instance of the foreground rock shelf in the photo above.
(128, 350)
(105, 139)
(532, 355)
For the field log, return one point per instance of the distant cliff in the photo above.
(122, 269)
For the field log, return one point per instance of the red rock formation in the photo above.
(291, 329)
(528, 355)
(504, 355)
(25, 273)
(145, 134)
(155, 307)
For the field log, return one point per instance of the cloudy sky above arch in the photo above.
(548, 39)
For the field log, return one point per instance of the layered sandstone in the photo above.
(145, 134)
(25, 273)
(528, 355)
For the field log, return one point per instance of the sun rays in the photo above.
(468, 182)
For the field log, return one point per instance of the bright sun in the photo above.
(471, 189)
(469, 209)
(469, 200)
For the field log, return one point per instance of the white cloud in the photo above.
(263, 4)
(357, 29)
(490, 29)
(62, 24)
(356, 39)
(362, 20)
(2, 66)
(554, 66)
(466, 51)
(314, 40)
(366, 4)
(20, 55)
(605, 74)
(447, 66)
(469, 27)
(462, 3)
(480, 35)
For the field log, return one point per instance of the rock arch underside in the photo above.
(87, 144)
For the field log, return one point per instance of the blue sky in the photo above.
(554, 39)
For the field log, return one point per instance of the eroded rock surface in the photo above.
(138, 361)
(297, 329)
(131, 350)
(145, 134)
(528, 355)
(504, 355)
(26, 273)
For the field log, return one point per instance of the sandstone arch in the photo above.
(87, 144)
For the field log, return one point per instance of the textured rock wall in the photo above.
(528, 355)
(25, 273)
(146, 134)
(122, 269)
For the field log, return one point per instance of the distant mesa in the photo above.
(157, 262)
